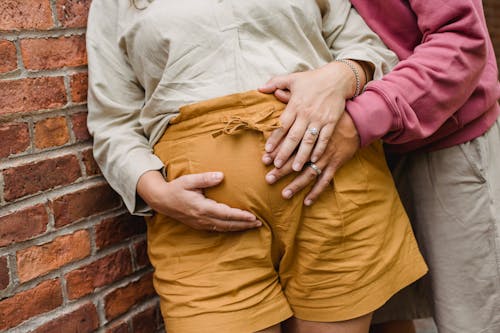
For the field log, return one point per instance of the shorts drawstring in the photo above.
(237, 123)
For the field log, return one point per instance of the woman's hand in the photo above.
(341, 148)
(182, 199)
(316, 100)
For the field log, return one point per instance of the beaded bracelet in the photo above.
(356, 75)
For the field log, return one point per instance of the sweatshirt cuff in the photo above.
(372, 116)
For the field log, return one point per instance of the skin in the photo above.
(316, 99)
(183, 200)
(321, 103)
(295, 325)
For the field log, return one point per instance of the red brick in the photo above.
(91, 166)
(15, 138)
(79, 87)
(4, 273)
(83, 320)
(87, 202)
(23, 225)
(25, 95)
(123, 299)
(25, 14)
(109, 269)
(8, 56)
(145, 321)
(80, 129)
(118, 328)
(40, 176)
(49, 53)
(141, 254)
(116, 229)
(73, 13)
(43, 298)
(51, 132)
(39, 260)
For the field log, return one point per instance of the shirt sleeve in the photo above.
(349, 37)
(427, 88)
(115, 100)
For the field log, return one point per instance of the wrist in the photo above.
(360, 72)
(149, 186)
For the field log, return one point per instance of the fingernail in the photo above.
(287, 194)
(259, 224)
(267, 159)
(278, 163)
(296, 167)
(314, 159)
(270, 178)
(269, 148)
(308, 202)
(217, 175)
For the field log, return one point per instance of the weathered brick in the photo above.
(116, 229)
(91, 166)
(82, 320)
(44, 297)
(23, 225)
(145, 321)
(31, 94)
(51, 132)
(87, 202)
(49, 53)
(79, 87)
(4, 273)
(39, 260)
(79, 122)
(123, 299)
(35, 177)
(8, 56)
(73, 13)
(15, 138)
(118, 328)
(141, 254)
(25, 14)
(109, 269)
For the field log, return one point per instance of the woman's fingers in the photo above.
(291, 141)
(287, 119)
(223, 212)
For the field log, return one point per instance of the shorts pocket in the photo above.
(351, 181)
(475, 154)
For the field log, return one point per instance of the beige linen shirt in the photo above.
(145, 64)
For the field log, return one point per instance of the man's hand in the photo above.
(341, 148)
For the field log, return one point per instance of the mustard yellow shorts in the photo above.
(341, 258)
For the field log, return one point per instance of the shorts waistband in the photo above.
(229, 114)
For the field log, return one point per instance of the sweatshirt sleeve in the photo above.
(115, 100)
(349, 37)
(428, 87)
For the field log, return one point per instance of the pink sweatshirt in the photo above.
(445, 89)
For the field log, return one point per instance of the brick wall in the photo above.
(71, 258)
(492, 13)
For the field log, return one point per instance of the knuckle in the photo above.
(311, 175)
(324, 139)
(294, 137)
(309, 139)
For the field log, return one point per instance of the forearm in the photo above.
(424, 90)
